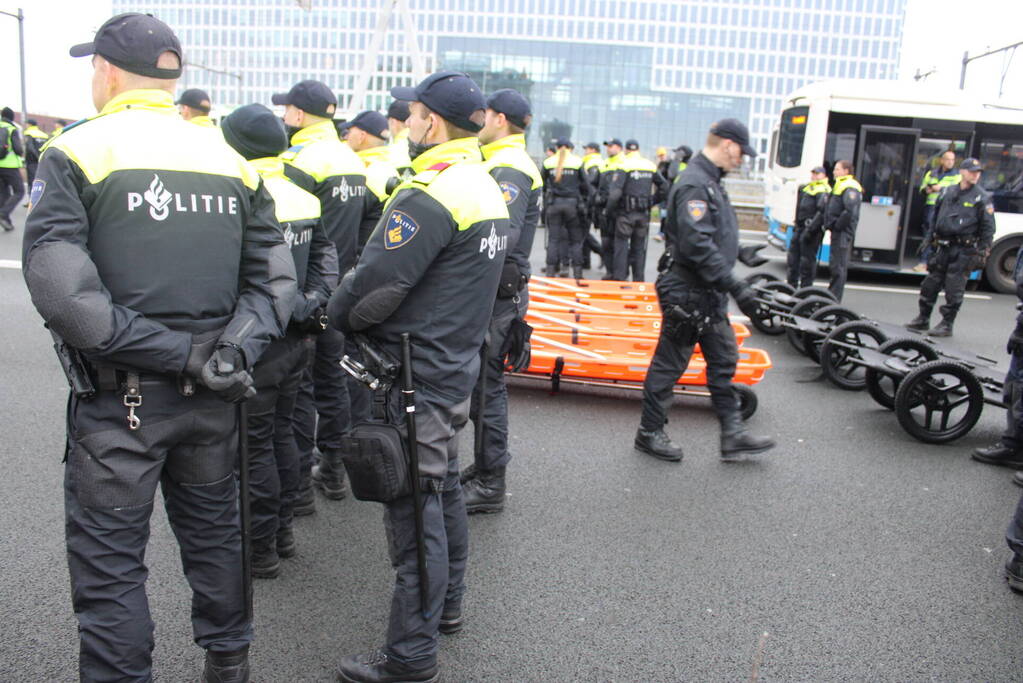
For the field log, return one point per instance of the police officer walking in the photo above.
(503, 140)
(155, 274)
(194, 107)
(35, 139)
(567, 189)
(960, 243)
(259, 136)
(12, 187)
(634, 187)
(693, 291)
(431, 270)
(808, 231)
(841, 217)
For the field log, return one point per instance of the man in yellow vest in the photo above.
(934, 181)
(397, 115)
(367, 135)
(635, 186)
(12, 187)
(194, 107)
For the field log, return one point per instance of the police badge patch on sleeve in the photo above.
(38, 187)
(697, 209)
(399, 230)
(510, 191)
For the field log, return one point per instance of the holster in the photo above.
(376, 459)
(512, 281)
(681, 326)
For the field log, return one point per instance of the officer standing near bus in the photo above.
(431, 270)
(567, 189)
(841, 217)
(807, 233)
(503, 141)
(693, 293)
(634, 187)
(964, 227)
(194, 107)
(153, 254)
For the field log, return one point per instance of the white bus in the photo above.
(893, 132)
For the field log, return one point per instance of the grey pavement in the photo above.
(849, 553)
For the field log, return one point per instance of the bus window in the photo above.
(1003, 174)
(790, 137)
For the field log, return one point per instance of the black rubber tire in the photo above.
(925, 388)
(807, 292)
(834, 314)
(804, 309)
(914, 350)
(1000, 264)
(770, 320)
(748, 400)
(760, 277)
(835, 363)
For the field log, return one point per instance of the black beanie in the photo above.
(254, 132)
(7, 113)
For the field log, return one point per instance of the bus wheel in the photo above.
(1000, 265)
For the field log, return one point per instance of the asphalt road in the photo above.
(849, 553)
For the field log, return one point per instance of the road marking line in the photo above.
(895, 290)
(13, 265)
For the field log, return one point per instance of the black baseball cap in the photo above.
(513, 105)
(819, 169)
(450, 94)
(196, 99)
(613, 141)
(134, 42)
(736, 131)
(373, 122)
(631, 144)
(970, 164)
(564, 142)
(254, 132)
(592, 145)
(312, 97)
(398, 110)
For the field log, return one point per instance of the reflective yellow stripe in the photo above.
(634, 162)
(510, 152)
(847, 182)
(321, 153)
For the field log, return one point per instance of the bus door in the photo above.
(885, 164)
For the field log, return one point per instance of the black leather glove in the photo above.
(751, 257)
(516, 351)
(1015, 344)
(202, 348)
(746, 298)
(978, 260)
(665, 261)
(225, 375)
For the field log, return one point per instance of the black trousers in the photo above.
(12, 189)
(322, 409)
(838, 260)
(565, 232)
(30, 171)
(630, 237)
(948, 268)
(605, 226)
(187, 446)
(802, 256)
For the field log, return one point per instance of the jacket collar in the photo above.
(372, 154)
(514, 141)
(708, 166)
(269, 166)
(450, 152)
(324, 130)
(159, 101)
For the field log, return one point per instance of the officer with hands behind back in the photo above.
(693, 288)
(153, 254)
(431, 270)
(808, 231)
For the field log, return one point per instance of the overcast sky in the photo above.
(936, 33)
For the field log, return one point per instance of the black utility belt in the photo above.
(112, 378)
(956, 241)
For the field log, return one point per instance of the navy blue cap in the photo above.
(373, 122)
(398, 110)
(450, 94)
(631, 144)
(134, 42)
(513, 105)
(593, 145)
(613, 141)
(819, 169)
(196, 99)
(254, 132)
(970, 164)
(736, 131)
(312, 97)
(564, 142)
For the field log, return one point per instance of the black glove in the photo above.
(978, 260)
(665, 261)
(925, 243)
(516, 351)
(1015, 344)
(226, 376)
(746, 298)
(202, 348)
(751, 257)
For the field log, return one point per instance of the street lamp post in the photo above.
(967, 59)
(20, 16)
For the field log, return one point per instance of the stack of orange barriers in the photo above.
(602, 332)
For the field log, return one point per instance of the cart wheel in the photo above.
(747, 400)
(912, 352)
(804, 309)
(939, 401)
(838, 360)
(832, 316)
(807, 292)
(755, 279)
(769, 321)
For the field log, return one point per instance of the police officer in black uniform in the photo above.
(431, 270)
(567, 190)
(164, 280)
(808, 231)
(693, 290)
(841, 217)
(960, 242)
(634, 186)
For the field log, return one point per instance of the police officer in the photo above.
(590, 218)
(934, 181)
(693, 292)
(397, 115)
(503, 140)
(259, 136)
(35, 139)
(321, 164)
(808, 231)
(367, 135)
(12, 186)
(439, 248)
(841, 217)
(607, 220)
(964, 227)
(567, 189)
(634, 187)
(161, 273)
(194, 107)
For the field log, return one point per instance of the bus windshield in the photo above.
(790, 137)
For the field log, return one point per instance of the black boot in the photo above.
(285, 540)
(226, 667)
(467, 474)
(485, 491)
(577, 272)
(329, 476)
(942, 329)
(657, 444)
(451, 618)
(737, 442)
(1014, 572)
(922, 321)
(999, 454)
(266, 563)
(1017, 478)
(375, 667)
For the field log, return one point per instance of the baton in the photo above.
(245, 515)
(481, 405)
(408, 395)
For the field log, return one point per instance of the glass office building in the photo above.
(658, 71)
